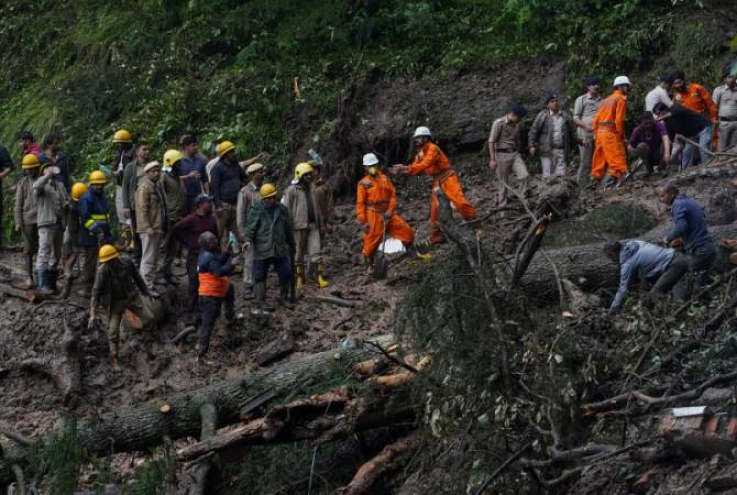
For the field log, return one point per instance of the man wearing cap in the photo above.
(25, 211)
(430, 160)
(188, 231)
(133, 173)
(193, 170)
(695, 97)
(119, 287)
(247, 196)
(584, 111)
(376, 211)
(659, 94)
(52, 200)
(176, 207)
(151, 221)
(725, 98)
(552, 136)
(94, 227)
(608, 128)
(504, 157)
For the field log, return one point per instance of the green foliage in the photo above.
(151, 479)
(58, 462)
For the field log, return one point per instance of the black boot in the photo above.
(53, 276)
(43, 283)
(284, 299)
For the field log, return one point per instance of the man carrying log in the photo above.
(119, 287)
(689, 229)
(430, 160)
(376, 211)
(663, 267)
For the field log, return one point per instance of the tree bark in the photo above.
(140, 427)
(587, 267)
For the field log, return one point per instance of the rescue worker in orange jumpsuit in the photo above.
(609, 135)
(376, 206)
(431, 160)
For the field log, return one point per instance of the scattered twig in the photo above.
(14, 435)
(183, 334)
(502, 467)
(391, 358)
(697, 145)
(703, 291)
(338, 301)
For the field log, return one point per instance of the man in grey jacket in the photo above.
(52, 200)
(662, 267)
(247, 196)
(552, 137)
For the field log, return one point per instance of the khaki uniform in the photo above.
(585, 109)
(176, 208)
(247, 196)
(150, 225)
(726, 102)
(504, 137)
(51, 202)
(307, 220)
(118, 286)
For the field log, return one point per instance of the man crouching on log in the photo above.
(119, 283)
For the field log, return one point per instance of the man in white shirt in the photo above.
(659, 94)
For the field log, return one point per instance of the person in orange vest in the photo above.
(609, 135)
(431, 160)
(697, 98)
(376, 206)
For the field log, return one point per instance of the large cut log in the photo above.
(587, 267)
(140, 427)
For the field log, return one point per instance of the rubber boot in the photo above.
(321, 282)
(262, 306)
(52, 278)
(28, 259)
(114, 359)
(247, 294)
(299, 267)
(414, 254)
(43, 283)
(284, 295)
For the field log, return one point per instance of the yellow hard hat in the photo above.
(31, 161)
(224, 147)
(97, 177)
(78, 190)
(268, 190)
(107, 253)
(301, 169)
(171, 157)
(122, 136)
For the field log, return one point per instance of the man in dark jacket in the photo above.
(269, 229)
(188, 231)
(226, 180)
(689, 230)
(94, 227)
(680, 121)
(213, 268)
(552, 135)
(176, 207)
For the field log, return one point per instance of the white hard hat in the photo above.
(369, 160)
(422, 131)
(254, 167)
(151, 165)
(619, 80)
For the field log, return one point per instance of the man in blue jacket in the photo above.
(689, 230)
(94, 227)
(662, 267)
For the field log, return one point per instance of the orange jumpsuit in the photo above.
(375, 196)
(697, 98)
(432, 161)
(608, 127)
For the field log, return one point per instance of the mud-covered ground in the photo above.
(31, 403)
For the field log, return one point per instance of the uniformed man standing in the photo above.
(584, 111)
(247, 196)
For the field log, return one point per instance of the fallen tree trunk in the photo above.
(587, 266)
(140, 427)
